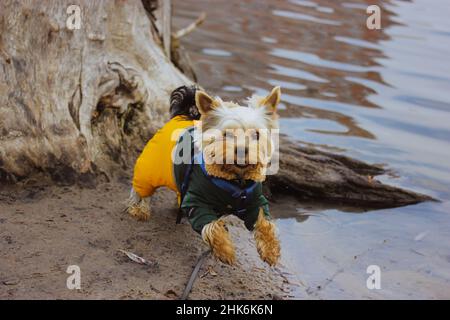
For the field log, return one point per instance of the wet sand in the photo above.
(45, 228)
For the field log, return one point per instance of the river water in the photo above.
(382, 96)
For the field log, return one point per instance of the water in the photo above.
(382, 96)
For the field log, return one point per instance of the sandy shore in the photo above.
(46, 228)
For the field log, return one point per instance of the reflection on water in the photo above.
(382, 96)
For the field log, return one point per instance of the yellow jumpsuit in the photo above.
(154, 167)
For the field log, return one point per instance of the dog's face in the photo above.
(237, 140)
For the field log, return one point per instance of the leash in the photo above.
(184, 187)
(187, 176)
(194, 274)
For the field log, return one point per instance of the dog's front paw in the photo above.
(217, 237)
(139, 211)
(267, 243)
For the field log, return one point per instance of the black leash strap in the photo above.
(186, 178)
(194, 274)
(184, 187)
(179, 215)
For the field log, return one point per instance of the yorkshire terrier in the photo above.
(214, 154)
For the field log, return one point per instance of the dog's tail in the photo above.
(182, 103)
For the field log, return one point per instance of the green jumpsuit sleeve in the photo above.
(251, 216)
(201, 216)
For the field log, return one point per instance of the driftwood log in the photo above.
(313, 175)
(76, 104)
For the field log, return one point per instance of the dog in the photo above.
(226, 149)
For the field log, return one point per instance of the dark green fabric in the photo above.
(210, 201)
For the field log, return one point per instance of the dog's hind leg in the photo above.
(217, 237)
(267, 243)
(138, 207)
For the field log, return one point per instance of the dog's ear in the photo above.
(204, 102)
(272, 100)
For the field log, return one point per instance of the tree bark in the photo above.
(79, 102)
(76, 104)
(326, 178)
